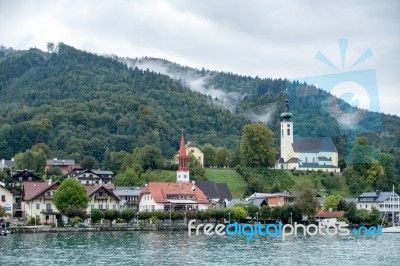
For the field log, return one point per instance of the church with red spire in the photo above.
(182, 175)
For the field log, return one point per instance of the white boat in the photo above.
(5, 232)
(392, 229)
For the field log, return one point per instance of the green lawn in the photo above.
(237, 185)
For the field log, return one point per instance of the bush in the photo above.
(31, 221)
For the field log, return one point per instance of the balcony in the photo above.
(47, 211)
(48, 197)
(100, 197)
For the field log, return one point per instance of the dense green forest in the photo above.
(82, 104)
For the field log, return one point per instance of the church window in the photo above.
(282, 132)
(306, 160)
(288, 131)
(313, 160)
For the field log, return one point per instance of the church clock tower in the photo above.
(286, 133)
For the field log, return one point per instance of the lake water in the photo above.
(177, 248)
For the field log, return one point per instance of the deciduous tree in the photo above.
(71, 193)
(257, 146)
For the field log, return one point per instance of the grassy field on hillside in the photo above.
(315, 179)
(237, 185)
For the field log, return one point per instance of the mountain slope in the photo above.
(81, 103)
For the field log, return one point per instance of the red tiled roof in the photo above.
(160, 190)
(334, 214)
(32, 190)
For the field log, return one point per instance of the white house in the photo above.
(368, 200)
(6, 199)
(37, 201)
(303, 153)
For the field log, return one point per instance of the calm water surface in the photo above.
(169, 248)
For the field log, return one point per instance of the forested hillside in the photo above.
(82, 104)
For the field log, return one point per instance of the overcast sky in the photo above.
(263, 38)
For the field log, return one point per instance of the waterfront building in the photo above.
(369, 200)
(6, 199)
(275, 199)
(129, 196)
(270, 199)
(181, 195)
(37, 201)
(102, 197)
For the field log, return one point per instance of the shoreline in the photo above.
(34, 230)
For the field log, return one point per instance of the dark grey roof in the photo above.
(102, 172)
(375, 196)
(305, 145)
(257, 202)
(7, 164)
(127, 191)
(280, 160)
(324, 159)
(214, 190)
(60, 162)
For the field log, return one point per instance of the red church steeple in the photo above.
(182, 157)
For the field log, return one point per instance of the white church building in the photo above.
(302, 153)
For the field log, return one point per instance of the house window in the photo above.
(20, 178)
(3, 198)
(114, 207)
(106, 206)
(48, 206)
(30, 178)
(37, 206)
(100, 206)
(92, 206)
(87, 182)
(366, 206)
(192, 151)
